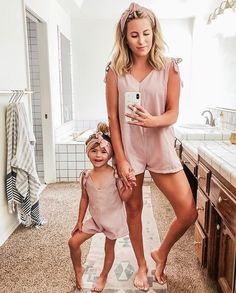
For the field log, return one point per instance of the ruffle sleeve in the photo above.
(108, 67)
(83, 178)
(175, 62)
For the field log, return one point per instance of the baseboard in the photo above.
(9, 231)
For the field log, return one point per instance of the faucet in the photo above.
(209, 120)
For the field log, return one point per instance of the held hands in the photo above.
(78, 227)
(141, 117)
(126, 174)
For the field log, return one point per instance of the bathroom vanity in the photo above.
(210, 166)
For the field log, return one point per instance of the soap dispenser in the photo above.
(220, 121)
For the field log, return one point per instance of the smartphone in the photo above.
(131, 98)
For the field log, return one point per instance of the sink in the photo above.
(196, 126)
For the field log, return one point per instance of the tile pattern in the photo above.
(71, 159)
(229, 117)
(36, 99)
(201, 134)
(221, 155)
(121, 276)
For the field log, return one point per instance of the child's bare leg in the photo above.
(75, 252)
(108, 262)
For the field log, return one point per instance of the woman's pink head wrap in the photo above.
(133, 8)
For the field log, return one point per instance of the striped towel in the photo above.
(22, 182)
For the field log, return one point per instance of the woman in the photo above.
(147, 140)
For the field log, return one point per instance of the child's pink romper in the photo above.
(148, 148)
(106, 208)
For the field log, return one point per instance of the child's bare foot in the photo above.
(79, 282)
(160, 275)
(140, 279)
(99, 284)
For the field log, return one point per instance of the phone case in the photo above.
(131, 98)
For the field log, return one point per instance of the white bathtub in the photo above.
(71, 156)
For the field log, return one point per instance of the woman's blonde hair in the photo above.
(122, 61)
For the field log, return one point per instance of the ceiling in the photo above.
(100, 9)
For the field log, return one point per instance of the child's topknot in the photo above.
(101, 127)
(104, 128)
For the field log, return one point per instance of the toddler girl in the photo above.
(104, 193)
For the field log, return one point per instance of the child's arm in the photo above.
(82, 211)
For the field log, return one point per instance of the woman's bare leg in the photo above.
(108, 262)
(134, 208)
(176, 188)
(75, 252)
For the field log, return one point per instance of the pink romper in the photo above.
(106, 208)
(149, 148)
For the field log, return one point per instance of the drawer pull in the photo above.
(200, 209)
(197, 242)
(201, 177)
(220, 199)
(186, 162)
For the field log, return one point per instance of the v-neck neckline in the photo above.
(95, 185)
(146, 77)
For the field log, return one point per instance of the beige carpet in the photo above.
(37, 260)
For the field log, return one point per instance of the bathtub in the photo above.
(71, 158)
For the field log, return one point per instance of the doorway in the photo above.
(34, 72)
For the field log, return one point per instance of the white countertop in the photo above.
(221, 155)
(203, 133)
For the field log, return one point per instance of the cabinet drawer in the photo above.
(204, 178)
(189, 163)
(200, 244)
(202, 208)
(224, 202)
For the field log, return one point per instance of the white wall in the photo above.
(92, 46)
(178, 37)
(14, 75)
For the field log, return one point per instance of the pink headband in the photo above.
(133, 8)
(102, 142)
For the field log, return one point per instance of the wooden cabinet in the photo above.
(190, 168)
(204, 175)
(200, 244)
(226, 269)
(202, 208)
(215, 229)
(190, 163)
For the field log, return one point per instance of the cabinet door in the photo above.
(204, 177)
(224, 202)
(202, 208)
(200, 244)
(189, 163)
(226, 271)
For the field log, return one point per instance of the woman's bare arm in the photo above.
(123, 166)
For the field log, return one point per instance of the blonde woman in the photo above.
(146, 140)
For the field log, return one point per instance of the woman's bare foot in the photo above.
(79, 282)
(160, 275)
(99, 284)
(140, 279)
